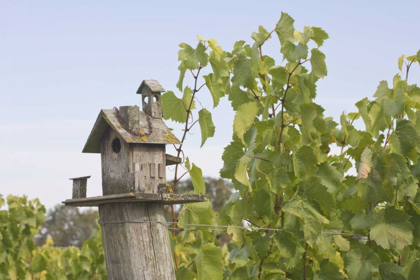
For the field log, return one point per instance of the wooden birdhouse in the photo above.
(132, 144)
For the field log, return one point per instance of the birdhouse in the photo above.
(132, 144)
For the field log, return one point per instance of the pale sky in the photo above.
(63, 61)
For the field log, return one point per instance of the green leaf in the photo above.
(294, 52)
(175, 108)
(304, 37)
(391, 229)
(394, 107)
(361, 264)
(39, 263)
(313, 190)
(418, 56)
(231, 155)
(308, 115)
(287, 243)
(285, 28)
(391, 271)
(242, 74)
(330, 177)
(182, 69)
(303, 161)
(319, 68)
(195, 213)
(361, 221)
(312, 220)
(400, 62)
(261, 35)
(206, 125)
(241, 256)
(263, 203)
(319, 36)
(244, 118)
(219, 65)
(404, 139)
(383, 91)
(196, 177)
(193, 58)
(329, 271)
(184, 273)
(209, 263)
(216, 86)
(414, 271)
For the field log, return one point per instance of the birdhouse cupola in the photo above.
(151, 91)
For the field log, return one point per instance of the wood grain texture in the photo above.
(116, 175)
(149, 156)
(136, 251)
(162, 197)
(79, 188)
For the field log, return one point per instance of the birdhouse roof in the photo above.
(152, 84)
(152, 131)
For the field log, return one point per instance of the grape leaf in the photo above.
(193, 58)
(404, 138)
(244, 118)
(242, 74)
(391, 229)
(303, 161)
(361, 263)
(196, 177)
(294, 52)
(261, 35)
(319, 36)
(319, 68)
(209, 263)
(285, 28)
(206, 125)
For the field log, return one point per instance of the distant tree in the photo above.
(67, 226)
(217, 190)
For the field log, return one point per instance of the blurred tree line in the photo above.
(70, 226)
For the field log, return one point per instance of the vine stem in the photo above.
(179, 151)
(408, 69)
(288, 86)
(387, 135)
(262, 261)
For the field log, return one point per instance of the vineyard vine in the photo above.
(300, 211)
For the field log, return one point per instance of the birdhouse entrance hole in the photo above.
(116, 145)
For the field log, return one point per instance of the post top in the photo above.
(152, 84)
(80, 178)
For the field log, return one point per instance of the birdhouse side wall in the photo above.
(116, 175)
(148, 166)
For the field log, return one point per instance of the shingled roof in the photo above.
(160, 133)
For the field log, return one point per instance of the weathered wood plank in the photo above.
(171, 160)
(162, 198)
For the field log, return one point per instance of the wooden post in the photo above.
(136, 250)
(135, 233)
